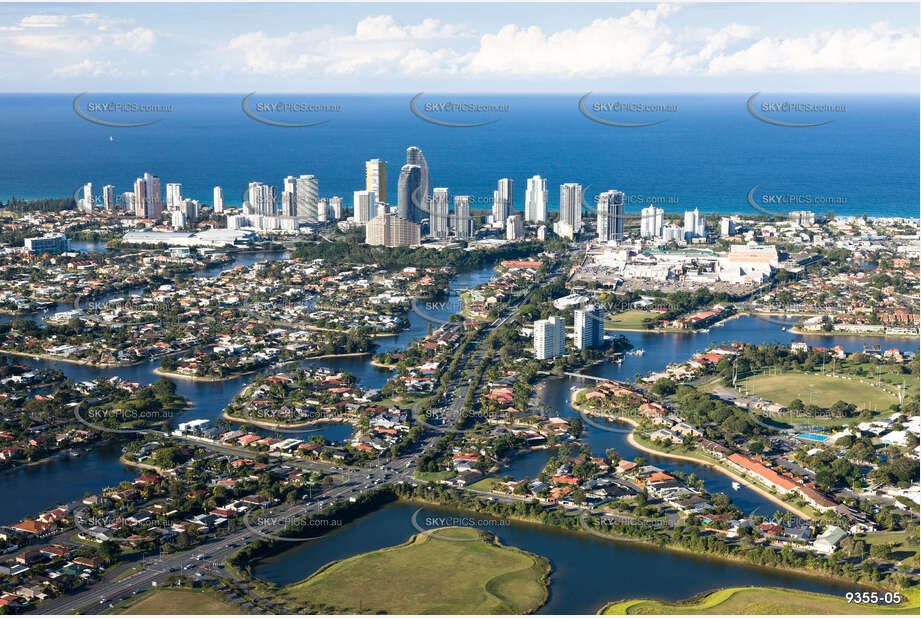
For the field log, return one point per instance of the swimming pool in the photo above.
(815, 437)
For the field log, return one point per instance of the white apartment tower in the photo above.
(461, 217)
(438, 220)
(694, 224)
(218, 201)
(652, 220)
(308, 196)
(153, 204)
(364, 204)
(88, 202)
(535, 200)
(503, 200)
(570, 222)
(140, 198)
(335, 207)
(173, 195)
(108, 197)
(514, 228)
(262, 199)
(549, 338)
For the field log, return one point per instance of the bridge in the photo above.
(588, 377)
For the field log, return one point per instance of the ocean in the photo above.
(710, 153)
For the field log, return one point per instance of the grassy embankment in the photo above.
(766, 601)
(428, 575)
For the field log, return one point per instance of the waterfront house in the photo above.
(828, 541)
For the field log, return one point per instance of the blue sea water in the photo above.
(708, 154)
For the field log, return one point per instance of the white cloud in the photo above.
(267, 55)
(88, 68)
(138, 40)
(877, 48)
(386, 28)
(39, 35)
(640, 42)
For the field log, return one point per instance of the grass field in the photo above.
(904, 550)
(632, 320)
(766, 601)
(821, 390)
(181, 602)
(430, 576)
(435, 476)
(488, 484)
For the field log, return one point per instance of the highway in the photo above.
(401, 469)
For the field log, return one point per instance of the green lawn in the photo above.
(430, 576)
(487, 484)
(441, 475)
(632, 319)
(765, 601)
(177, 602)
(821, 390)
(904, 550)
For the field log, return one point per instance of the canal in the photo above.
(587, 571)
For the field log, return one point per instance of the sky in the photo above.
(456, 48)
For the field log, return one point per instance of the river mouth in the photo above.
(587, 572)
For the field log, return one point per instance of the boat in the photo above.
(736, 485)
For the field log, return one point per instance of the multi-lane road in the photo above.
(352, 481)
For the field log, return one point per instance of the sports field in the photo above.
(177, 602)
(821, 390)
(430, 576)
(766, 601)
(628, 320)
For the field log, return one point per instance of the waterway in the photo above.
(64, 480)
(587, 571)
